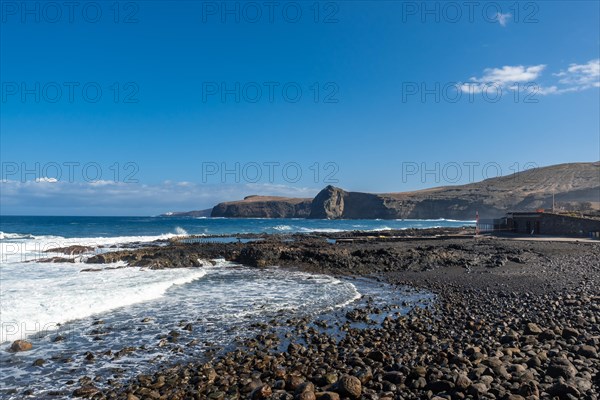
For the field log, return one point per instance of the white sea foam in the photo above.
(282, 228)
(9, 236)
(272, 290)
(380, 229)
(36, 297)
(180, 231)
(29, 248)
(323, 230)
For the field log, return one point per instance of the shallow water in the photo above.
(220, 308)
(219, 303)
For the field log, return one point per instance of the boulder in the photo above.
(376, 356)
(588, 351)
(395, 377)
(20, 345)
(85, 391)
(440, 386)
(349, 386)
(561, 390)
(261, 393)
(478, 389)
(561, 367)
(305, 387)
(463, 382)
(293, 382)
(306, 395)
(532, 329)
(568, 333)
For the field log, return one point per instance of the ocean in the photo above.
(72, 317)
(12, 227)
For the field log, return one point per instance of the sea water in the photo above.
(69, 314)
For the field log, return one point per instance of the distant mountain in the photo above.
(574, 186)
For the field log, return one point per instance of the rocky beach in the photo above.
(300, 200)
(511, 319)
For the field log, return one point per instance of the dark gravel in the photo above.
(511, 320)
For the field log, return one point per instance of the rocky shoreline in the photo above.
(511, 320)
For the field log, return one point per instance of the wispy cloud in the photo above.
(49, 196)
(503, 18)
(581, 76)
(575, 78)
(504, 77)
(509, 75)
(46, 180)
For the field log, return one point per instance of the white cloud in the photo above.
(118, 198)
(46, 180)
(512, 74)
(547, 90)
(503, 18)
(505, 77)
(576, 78)
(581, 76)
(103, 183)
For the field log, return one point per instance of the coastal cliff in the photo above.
(264, 207)
(575, 185)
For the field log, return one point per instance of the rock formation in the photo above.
(574, 185)
(264, 207)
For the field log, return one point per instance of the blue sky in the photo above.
(203, 102)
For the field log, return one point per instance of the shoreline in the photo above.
(511, 318)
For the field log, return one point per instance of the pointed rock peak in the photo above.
(331, 189)
(329, 203)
